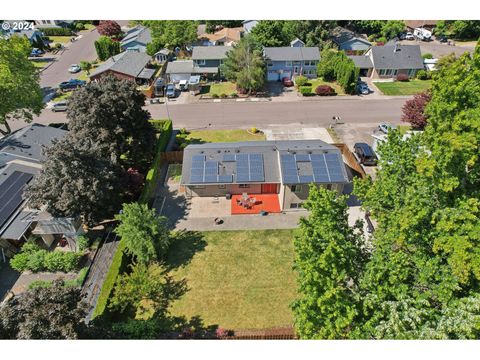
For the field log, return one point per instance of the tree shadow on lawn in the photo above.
(185, 244)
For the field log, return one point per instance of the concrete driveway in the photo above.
(438, 49)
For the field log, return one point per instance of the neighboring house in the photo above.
(288, 62)
(384, 62)
(136, 38)
(53, 23)
(248, 25)
(130, 64)
(21, 159)
(426, 24)
(162, 56)
(349, 41)
(297, 43)
(208, 59)
(225, 36)
(34, 36)
(281, 170)
(183, 69)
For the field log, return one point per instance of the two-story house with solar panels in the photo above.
(277, 172)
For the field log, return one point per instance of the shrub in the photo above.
(109, 28)
(36, 260)
(221, 333)
(215, 96)
(83, 243)
(223, 96)
(79, 26)
(253, 130)
(184, 131)
(39, 284)
(106, 47)
(57, 32)
(325, 90)
(20, 262)
(305, 90)
(422, 75)
(234, 95)
(301, 80)
(61, 261)
(402, 77)
(427, 56)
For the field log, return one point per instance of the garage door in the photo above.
(175, 78)
(273, 76)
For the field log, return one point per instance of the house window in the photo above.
(288, 63)
(221, 62)
(387, 72)
(200, 62)
(270, 64)
(412, 72)
(295, 205)
(243, 186)
(296, 188)
(309, 63)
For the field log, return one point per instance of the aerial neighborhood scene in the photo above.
(240, 179)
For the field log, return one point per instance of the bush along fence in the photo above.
(120, 259)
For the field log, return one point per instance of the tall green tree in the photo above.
(147, 291)
(144, 233)
(106, 48)
(392, 28)
(211, 25)
(20, 94)
(54, 312)
(270, 33)
(172, 33)
(245, 65)
(77, 182)
(110, 114)
(329, 259)
(311, 32)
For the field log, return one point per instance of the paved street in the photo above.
(260, 114)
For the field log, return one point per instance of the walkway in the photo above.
(98, 271)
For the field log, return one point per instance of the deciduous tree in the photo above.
(106, 48)
(109, 28)
(21, 95)
(413, 110)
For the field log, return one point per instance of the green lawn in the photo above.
(237, 279)
(206, 136)
(227, 88)
(40, 63)
(175, 172)
(317, 82)
(60, 39)
(62, 96)
(411, 87)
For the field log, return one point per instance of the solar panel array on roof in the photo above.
(326, 168)
(11, 191)
(248, 168)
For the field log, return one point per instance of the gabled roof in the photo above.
(224, 159)
(188, 67)
(420, 23)
(292, 53)
(27, 143)
(341, 35)
(362, 61)
(140, 34)
(227, 34)
(128, 62)
(210, 52)
(297, 41)
(397, 57)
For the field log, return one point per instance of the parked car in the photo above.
(442, 39)
(183, 85)
(71, 84)
(409, 36)
(36, 52)
(170, 91)
(385, 128)
(74, 68)
(365, 154)
(362, 88)
(287, 82)
(60, 106)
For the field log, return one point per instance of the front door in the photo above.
(269, 188)
(295, 70)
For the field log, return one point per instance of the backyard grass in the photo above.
(411, 87)
(227, 88)
(175, 172)
(237, 279)
(209, 136)
(317, 82)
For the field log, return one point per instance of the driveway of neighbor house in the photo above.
(278, 92)
(438, 49)
(293, 132)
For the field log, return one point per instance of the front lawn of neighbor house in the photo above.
(411, 87)
(240, 279)
(60, 39)
(223, 88)
(317, 82)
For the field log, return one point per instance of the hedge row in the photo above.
(120, 259)
(56, 32)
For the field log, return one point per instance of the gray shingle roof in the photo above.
(28, 142)
(180, 67)
(139, 34)
(362, 61)
(292, 53)
(405, 57)
(340, 35)
(128, 62)
(270, 150)
(210, 52)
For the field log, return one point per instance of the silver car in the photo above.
(74, 68)
(60, 106)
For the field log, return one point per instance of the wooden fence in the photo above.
(172, 156)
(351, 160)
(284, 333)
